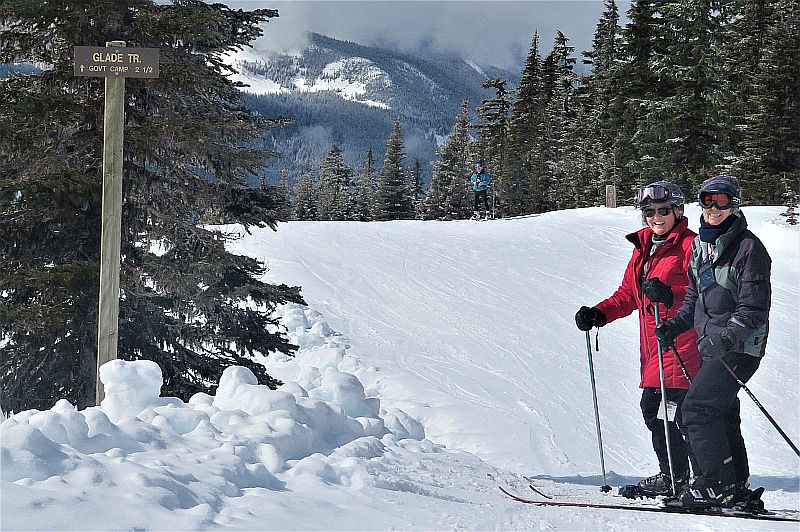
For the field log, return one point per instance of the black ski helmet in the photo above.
(659, 192)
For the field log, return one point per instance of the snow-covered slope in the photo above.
(351, 78)
(437, 360)
(480, 317)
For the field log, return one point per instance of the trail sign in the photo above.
(99, 62)
(115, 62)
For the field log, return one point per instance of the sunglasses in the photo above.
(720, 200)
(663, 211)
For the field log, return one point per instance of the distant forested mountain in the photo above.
(347, 94)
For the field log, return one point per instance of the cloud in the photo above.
(286, 33)
(488, 32)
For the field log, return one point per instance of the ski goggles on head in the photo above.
(650, 212)
(652, 194)
(720, 200)
(716, 187)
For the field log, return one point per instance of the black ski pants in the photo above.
(710, 417)
(480, 195)
(651, 405)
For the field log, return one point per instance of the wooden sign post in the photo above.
(611, 196)
(115, 62)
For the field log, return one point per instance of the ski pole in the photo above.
(758, 404)
(664, 404)
(753, 397)
(605, 488)
(683, 366)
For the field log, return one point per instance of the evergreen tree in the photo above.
(283, 209)
(447, 196)
(791, 199)
(335, 199)
(592, 161)
(283, 182)
(639, 88)
(741, 50)
(393, 195)
(493, 122)
(770, 144)
(184, 306)
(582, 166)
(417, 194)
(366, 188)
(685, 122)
(560, 80)
(524, 160)
(306, 192)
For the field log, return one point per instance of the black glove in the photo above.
(716, 346)
(588, 317)
(657, 292)
(667, 331)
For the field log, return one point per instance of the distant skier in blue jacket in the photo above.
(480, 180)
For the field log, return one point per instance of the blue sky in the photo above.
(488, 32)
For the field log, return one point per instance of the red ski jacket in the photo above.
(670, 263)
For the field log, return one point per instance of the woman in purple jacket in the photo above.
(727, 303)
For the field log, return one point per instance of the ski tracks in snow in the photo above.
(481, 317)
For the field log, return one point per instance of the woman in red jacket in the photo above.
(657, 272)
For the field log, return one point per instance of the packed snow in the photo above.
(436, 361)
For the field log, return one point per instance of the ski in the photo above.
(531, 486)
(661, 509)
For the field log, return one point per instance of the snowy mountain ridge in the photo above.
(367, 75)
(343, 93)
(350, 78)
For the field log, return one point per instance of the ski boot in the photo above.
(748, 500)
(659, 485)
(708, 493)
(630, 491)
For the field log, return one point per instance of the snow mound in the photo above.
(320, 427)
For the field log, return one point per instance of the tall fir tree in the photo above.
(592, 161)
(740, 48)
(639, 89)
(335, 198)
(685, 121)
(493, 122)
(560, 81)
(184, 298)
(393, 194)
(283, 209)
(524, 161)
(447, 196)
(306, 193)
(366, 188)
(770, 143)
(417, 193)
